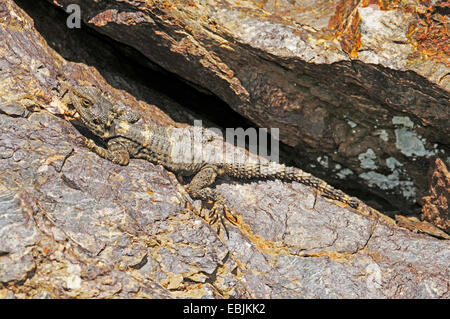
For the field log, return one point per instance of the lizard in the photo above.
(118, 128)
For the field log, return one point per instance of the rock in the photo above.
(358, 87)
(436, 204)
(84, 227)
(75, 225)
(91, 226)
(415, 225)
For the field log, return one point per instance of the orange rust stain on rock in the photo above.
(342, 12)
(336, 256)
(430, 36)
(382, 4)
(351, 40)
(168, 5)
(47, 251)
(269, 247)
(345, 22)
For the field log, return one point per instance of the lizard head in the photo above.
(96, 112)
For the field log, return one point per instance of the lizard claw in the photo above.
(216, 214)
(220, 209)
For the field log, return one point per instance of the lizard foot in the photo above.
(215, 216)
(218, 210)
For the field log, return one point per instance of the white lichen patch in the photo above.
(390, 182)
(343, 173)
(383, 36)
(367, 159)
(351, 123)
(408, 141)
(73, 280)
(392, 163)
(411, 144)
(384, 135)
(323, 161)
(43, 168)
(278, 38)
(398, 179)
(403, 120)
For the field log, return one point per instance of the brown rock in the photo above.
(436, 204)
(73, 225)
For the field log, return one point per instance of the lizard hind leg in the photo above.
(199, 188)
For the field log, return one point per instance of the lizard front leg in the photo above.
(116, 151)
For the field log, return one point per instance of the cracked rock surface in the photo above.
(75, 225)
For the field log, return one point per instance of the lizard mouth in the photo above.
(71, 113)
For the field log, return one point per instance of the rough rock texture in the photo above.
(436, 208)
(75, 225)
(359, 87)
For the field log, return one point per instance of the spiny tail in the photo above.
(272, 170)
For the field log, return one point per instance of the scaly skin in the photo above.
(127, 139)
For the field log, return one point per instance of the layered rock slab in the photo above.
(75, 225)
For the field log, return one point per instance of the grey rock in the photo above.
(74, 225)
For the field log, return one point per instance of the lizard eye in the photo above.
(86, 103)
